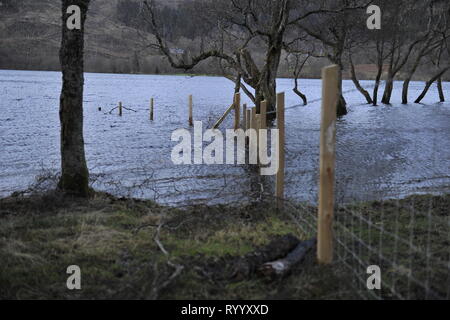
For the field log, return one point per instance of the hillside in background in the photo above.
(30, 32)
(30, 38)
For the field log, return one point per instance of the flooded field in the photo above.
(386, 151)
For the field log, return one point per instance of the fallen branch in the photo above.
(283, 267)
(278, 248)
(178, 268)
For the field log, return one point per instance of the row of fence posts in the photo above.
(253, 120)
(330, 98)
(152, 110)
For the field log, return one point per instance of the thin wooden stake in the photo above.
(191, 106)
(120, 109)
(237, 111)
(152, 109)
(330, 93)
(279, 188)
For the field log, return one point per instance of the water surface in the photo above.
(387, 151)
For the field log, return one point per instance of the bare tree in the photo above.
(74, 171)
(402, 35)
(331, 28)
(434, 40)
(442, 54)
(296, 62)
(239, 30)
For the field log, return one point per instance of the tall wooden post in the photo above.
(152, 109)
(244, 117)
(191, 106)
(253, 121)
(279, 188)
(263, 113)
(237, 111)
(330, 96)
(120, 109)
(262, 119)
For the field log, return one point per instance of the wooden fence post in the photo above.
(191, 117)
(120, 109)
(330, 94)
(152, 106)
(279, 188)
(244, 115)
(263, 113)
(237, 111)
(253, 124)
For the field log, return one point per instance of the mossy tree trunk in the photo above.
(74, 172)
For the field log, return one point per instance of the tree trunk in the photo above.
(377, 85)
(74, 172)
(342, 104)
(278, 248)
(357, 84)
(285, 266)
(301, 95)
(388, 89)
(405, 90)
(267, 88)
(440, 90)
(430, 82)
(409, 77)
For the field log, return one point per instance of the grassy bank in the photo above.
(129, 249)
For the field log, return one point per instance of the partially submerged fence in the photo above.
(392, 249)
(406, 240)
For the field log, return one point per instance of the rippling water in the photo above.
(382, 152)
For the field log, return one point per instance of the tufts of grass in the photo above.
(112, 240)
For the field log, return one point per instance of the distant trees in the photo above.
(74, 172)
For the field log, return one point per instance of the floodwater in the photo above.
(386, 151)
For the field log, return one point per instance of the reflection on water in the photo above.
(382, 152)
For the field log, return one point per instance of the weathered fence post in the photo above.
(191, 117)
(237, 111)
(262, 124)
(120, 109)
(330, 93)
(263, 115)
(253, 120)
(279, 188)
(244, 115)
(152, 106)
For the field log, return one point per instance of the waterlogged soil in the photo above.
(134, 249)
(383, 152)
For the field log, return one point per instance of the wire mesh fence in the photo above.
(408, 238)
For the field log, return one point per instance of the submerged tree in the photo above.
(74, 172)
(248, 36)
(331, 28)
